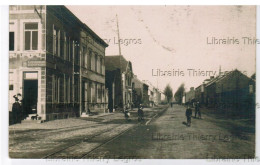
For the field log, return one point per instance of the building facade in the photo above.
(190, 96)
(50, 54)
(119, 75)
(140, 92)
(232, 91)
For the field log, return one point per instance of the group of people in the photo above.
(140, 113)
(189, 112)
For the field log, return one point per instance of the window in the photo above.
(55, 89)
(11, 87)
(56, 41)
(31, 36)
(85, 57)
(93, 61)
(65, 89)
(61, 92)
(68, 49)
(100, 65)
(67, 93)
(65, 47)
(71, 50)
(76, 89)
(11, 41)
(96, 59)
(99, 92)
(76, 56)
(93, 92)
(89, 60)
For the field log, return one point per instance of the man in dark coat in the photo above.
(16, 110)
(188, 115)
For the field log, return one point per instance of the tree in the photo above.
(179, 93)
(168, 92)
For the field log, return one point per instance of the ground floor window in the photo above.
(55, 89)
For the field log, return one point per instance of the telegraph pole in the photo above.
(118, 36)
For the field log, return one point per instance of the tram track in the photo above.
(78, 142)
(104, 142)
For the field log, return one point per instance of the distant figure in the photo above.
(188, 115)
(197, 110)
(140, 113)
(127, 114)
(128, 105)
(171, 104)
(89, 112)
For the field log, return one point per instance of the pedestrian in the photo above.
(188, 115)
(16, 110)
(127, 114)
(197, 110)
(140, 113)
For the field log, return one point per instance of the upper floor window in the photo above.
(96, 63)
(85, 57)
(56, 41)
(89, 62)
(31, 36)
(11, 41)
(64, 46)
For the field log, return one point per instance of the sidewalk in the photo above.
(59, 123)
(104, 118)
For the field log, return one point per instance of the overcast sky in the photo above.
(176, 37)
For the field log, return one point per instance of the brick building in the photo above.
(56, 62)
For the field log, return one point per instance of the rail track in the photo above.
(104, 142)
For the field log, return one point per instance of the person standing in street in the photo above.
(197, 110)
(16, 110)
(188, 115)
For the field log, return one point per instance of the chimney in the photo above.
(211, 77)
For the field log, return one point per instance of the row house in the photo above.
(140, 93)
(232, 90)
(190, 96)
(56, 62)
(150, 92)
(119, 75)
(153, 93)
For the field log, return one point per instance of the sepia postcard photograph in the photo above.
(132, 82)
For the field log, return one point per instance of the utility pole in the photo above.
(121, 74)
(118, 36)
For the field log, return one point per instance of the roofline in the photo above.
(83, 25)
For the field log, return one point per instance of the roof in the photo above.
(116, 62)
(221, 77)
(70, 15)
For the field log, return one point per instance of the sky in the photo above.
(183, 39)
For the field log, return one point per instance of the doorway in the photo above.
(30, 97)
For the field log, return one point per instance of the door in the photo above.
(30, 95)
(85, 96)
